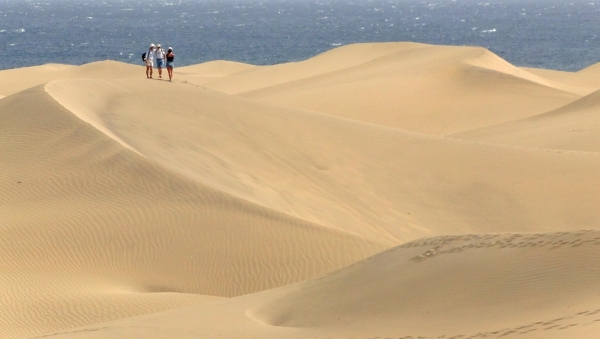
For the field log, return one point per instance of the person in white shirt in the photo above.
(149, 61)
(159, 53)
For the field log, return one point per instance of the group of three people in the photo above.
(156, 52)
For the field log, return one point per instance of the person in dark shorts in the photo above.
(170, 62)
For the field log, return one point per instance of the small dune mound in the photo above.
(15, 80)
(107, 69)
(574, 127)
(487, 284)
(467, 286)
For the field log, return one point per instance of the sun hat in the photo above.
(158, 45)
(151, 45)
(170, 48)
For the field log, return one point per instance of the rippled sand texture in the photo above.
(392, 190)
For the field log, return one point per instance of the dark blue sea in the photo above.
(555, 34)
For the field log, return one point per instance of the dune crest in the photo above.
(15, 80)
(60, 92)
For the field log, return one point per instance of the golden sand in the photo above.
(392, 190)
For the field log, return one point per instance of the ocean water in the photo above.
(555, 34)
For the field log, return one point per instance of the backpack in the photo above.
(144, 56)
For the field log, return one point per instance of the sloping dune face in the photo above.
(381, 184)
(92, 231)
(484, 284)
(192, 205)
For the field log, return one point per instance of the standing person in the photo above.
(160, 59)
(170, 62)
(149, 61)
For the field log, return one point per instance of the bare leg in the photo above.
(160, 72)
(147, 72)
(170, 70)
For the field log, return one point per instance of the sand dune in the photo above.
(192, 206)
(429, 89)
(532, 285)
(334, 60)
(575, 127)
(16, 80)
(484, 282)
(91, 231)
(265, 155)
